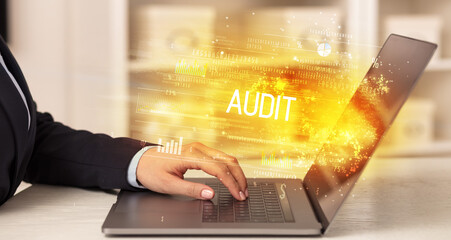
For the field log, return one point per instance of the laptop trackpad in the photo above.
(157, 203)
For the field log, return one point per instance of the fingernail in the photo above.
(207, 194)
(242, 196)
(246, 192)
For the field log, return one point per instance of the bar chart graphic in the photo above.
(182, 67)
(279, 162)
(171, 147)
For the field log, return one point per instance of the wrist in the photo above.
(132, 174)
(142, 169)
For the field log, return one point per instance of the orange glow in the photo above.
(193, 101)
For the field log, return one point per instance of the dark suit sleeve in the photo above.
(65, 156)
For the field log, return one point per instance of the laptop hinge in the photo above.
(319, 213)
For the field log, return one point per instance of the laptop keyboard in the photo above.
(262, 205)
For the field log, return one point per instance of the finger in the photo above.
(232, 164)
(195, 190)
(239, 176)
(221, 171)
(200, 160)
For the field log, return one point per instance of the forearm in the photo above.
(79, 158)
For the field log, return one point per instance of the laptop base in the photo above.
(150, 213)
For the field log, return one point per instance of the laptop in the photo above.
(291, 207)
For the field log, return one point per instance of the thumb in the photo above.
(190, 189)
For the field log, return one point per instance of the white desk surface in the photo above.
(394, 199)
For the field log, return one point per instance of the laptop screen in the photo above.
(366, 118)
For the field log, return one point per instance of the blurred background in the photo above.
(81, 57)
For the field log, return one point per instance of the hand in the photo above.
(163, 172)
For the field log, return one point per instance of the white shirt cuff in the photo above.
(131, 174)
